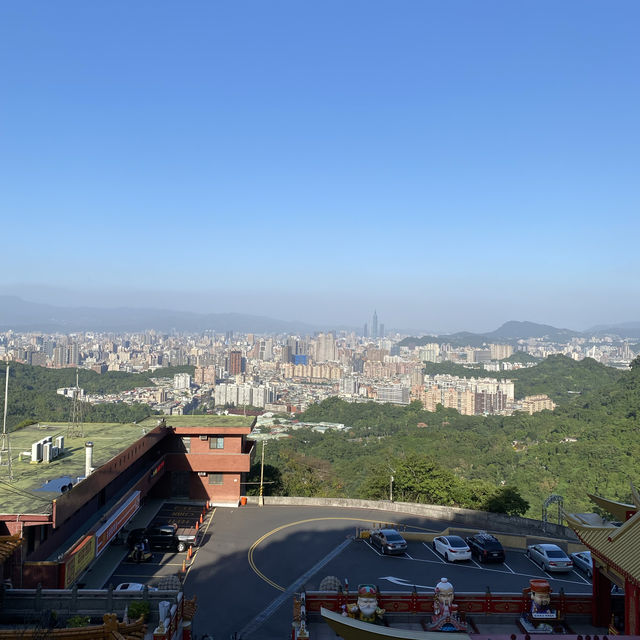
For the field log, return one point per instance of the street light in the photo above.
(391, 489)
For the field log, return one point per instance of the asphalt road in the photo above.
(251, 555)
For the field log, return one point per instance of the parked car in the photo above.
(550, 557)
(582, 560)
(485, 547)
(132, 586)
(452, 548)
(164, 536)
(388, 541)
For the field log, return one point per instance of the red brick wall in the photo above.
(228, 491)
(232, 444)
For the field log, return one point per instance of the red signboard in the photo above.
(109, 529)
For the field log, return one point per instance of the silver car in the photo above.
(582, 560)
(550, 557)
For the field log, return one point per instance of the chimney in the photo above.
(88, 459)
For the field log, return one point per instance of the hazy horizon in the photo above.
(450, 164)
(197, 303)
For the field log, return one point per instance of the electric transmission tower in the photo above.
(76, 426)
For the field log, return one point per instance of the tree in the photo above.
(507, 500)
(272, 481)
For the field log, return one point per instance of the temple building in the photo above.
(615, 552)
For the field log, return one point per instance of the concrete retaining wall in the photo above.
(449, 516)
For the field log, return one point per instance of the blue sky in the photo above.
(454, 164)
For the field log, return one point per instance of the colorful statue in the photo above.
(367, 609)
(445, 613)
(541, 599)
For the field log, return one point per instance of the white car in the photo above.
(452, 548)
(132, 586)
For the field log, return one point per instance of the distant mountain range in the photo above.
(20, 315)
(514, 330)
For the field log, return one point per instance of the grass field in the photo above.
(23, 494)
(200, 421)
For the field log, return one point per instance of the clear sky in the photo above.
(453, 164)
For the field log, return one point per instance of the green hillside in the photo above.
(588, 444)
(32, 393)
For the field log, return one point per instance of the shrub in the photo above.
(138, 608)
(78, 621)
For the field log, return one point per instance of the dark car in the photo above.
(485, 547)
(388, 540)
(159, 537)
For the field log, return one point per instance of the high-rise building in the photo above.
(181, 381)
(326, 348)
(374, 325)
(500, 351)
(381, 330)
(365, 331)
(235, 363)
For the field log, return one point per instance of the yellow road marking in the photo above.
(275, 585)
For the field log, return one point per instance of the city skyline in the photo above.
(451, 165)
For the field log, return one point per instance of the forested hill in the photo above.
(561, 377)
(590, 444)
(511, 332)
(32, 393)
(558, 376)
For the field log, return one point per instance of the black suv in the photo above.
(159, 537)
(485, 547)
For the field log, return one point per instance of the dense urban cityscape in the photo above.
(287, 373)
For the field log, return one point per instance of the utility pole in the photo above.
(5, 447)
(261, 498)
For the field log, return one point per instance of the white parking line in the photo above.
(474, 562)
(581, 577)
(437, 555)
(373, 548)
(476, 567)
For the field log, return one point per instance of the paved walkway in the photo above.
(101, 569)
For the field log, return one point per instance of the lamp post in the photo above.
(261, 497)
(391, 489)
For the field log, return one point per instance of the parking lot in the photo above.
(261, 552)
(164, 564)
(423, 567)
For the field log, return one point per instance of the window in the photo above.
(215, 478)
(216, 443)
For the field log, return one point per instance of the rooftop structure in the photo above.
(201, 421)
(36, 484)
